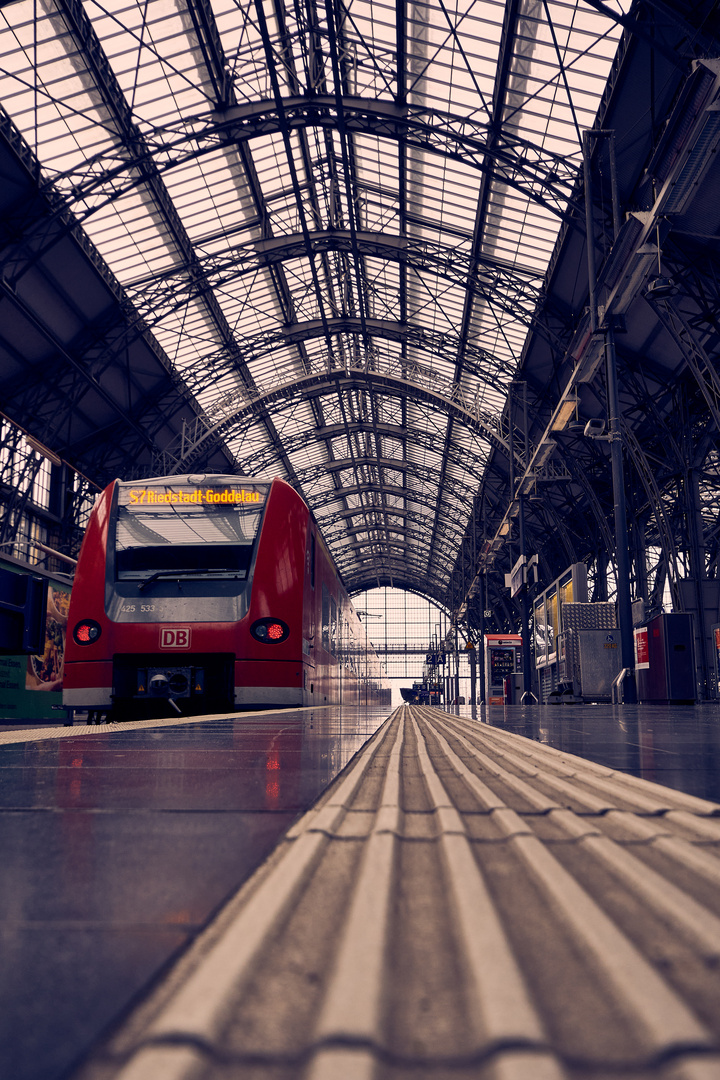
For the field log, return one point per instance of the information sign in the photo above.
(642, 656)
(502, 664)
(160, 495)
(518, 576)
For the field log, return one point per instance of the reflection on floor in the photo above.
(464, 904)
(117, 845)
(676, 745)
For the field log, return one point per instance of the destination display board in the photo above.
(165, 495)
(166, 524)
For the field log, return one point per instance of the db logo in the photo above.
(175, 637)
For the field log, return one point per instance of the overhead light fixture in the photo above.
(564, 414)
(590, 360)
(695, 148)
(544, 452)
(660, 288)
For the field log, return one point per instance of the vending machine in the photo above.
(503, 658)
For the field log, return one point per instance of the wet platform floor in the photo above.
(461, 904)
(118, 844)
(675, 745)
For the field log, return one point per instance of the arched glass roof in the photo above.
(331, 221)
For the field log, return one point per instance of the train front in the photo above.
(161, 592)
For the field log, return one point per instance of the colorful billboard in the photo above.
(31, 685)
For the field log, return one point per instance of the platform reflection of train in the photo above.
(198, 594)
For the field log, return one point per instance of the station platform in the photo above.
(462, 902)
(119, 843)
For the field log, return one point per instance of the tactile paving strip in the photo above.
(461, 903)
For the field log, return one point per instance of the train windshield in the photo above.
(177, 530)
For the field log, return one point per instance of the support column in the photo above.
(622, 546)
(527, 697)
(481, 643)
(472, 657)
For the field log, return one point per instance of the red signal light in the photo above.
(86, 632)
(270, 631)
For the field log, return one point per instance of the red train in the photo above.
(197, 594)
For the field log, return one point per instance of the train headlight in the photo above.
(86, 632)
(270, 631)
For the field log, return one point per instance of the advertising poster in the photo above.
(31, 685)
(642, 656)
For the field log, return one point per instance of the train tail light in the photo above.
(86, 632)
(270, 631)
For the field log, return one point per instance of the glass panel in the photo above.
(552, 624)
(541, 650)
(182, 527)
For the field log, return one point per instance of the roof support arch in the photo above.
(546, 178)
(190, 449)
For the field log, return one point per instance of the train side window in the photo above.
(312, 559)
(325, 618)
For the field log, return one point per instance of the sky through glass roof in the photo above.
(336, 231)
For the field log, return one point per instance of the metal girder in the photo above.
(486, 184)
(381, 554)
(233, 413)
(398, 580)
(363, 327)
(479, 362)
(640, 30)
(394, 572)
(418, 531)
(510, 289)
(140, 153)
(419, 534)
(460, 457)
(59, 397)
(632, 256)
(655, 499)
(19, 490)
(547, 179)
(208, 37)
(440, 568)
(388, 537)
(41, 219)
(695, 356)
(70, 360)
(421, 498)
